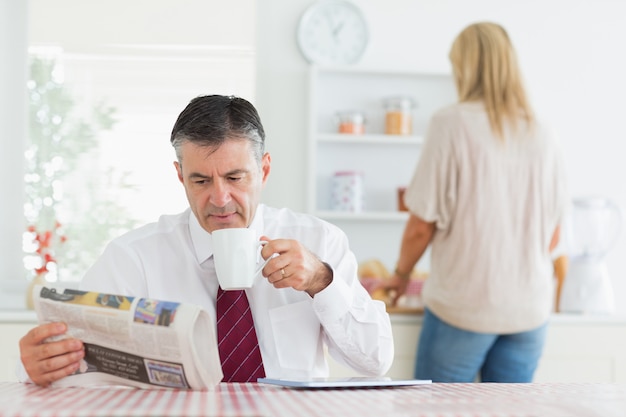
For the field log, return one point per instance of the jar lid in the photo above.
(351, 116)
(400, 102)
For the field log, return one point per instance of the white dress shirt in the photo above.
(172, 260)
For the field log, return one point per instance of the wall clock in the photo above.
(332, 32)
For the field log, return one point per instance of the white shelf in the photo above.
(386, 162)
(399, 216)
(372, 139)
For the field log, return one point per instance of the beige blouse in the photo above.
(496, 205)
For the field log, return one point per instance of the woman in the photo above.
(488, 193)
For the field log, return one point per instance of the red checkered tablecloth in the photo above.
(436, 400)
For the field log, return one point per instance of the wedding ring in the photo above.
(282, 272)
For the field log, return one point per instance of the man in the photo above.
(310, 296)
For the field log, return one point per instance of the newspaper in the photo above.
(131, 341)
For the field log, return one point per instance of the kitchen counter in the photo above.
(560, 318)
(397, 316)
(18, 316)
(579, 347)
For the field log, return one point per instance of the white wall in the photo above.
(571, 53)
(13, 107)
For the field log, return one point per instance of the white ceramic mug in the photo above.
(235, 253)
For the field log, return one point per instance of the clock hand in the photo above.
(338, 29)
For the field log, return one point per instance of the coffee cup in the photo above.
(235, 254)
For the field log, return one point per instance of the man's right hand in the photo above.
(48, 362)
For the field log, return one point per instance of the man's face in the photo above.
(223, 185)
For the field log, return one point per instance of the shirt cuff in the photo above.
(20, 373)
(334, 300)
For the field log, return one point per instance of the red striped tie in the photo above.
(236, 338)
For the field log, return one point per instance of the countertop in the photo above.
(415, 316)
(397, 316)
(18, 316)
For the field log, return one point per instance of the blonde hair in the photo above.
(485, 69)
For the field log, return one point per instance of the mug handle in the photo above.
(260, 268)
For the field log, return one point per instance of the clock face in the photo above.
(332, 33)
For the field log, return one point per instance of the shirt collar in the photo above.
(202, 241)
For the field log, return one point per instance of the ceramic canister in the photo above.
(347, 191)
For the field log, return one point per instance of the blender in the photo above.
(593, 228)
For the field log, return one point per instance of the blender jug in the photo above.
(594, 226)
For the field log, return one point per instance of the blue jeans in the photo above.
(449, 354)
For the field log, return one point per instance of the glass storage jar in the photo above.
(398, 118)
(351, 122)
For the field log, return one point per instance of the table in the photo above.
(247, 399)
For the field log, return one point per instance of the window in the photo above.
(99, 160)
